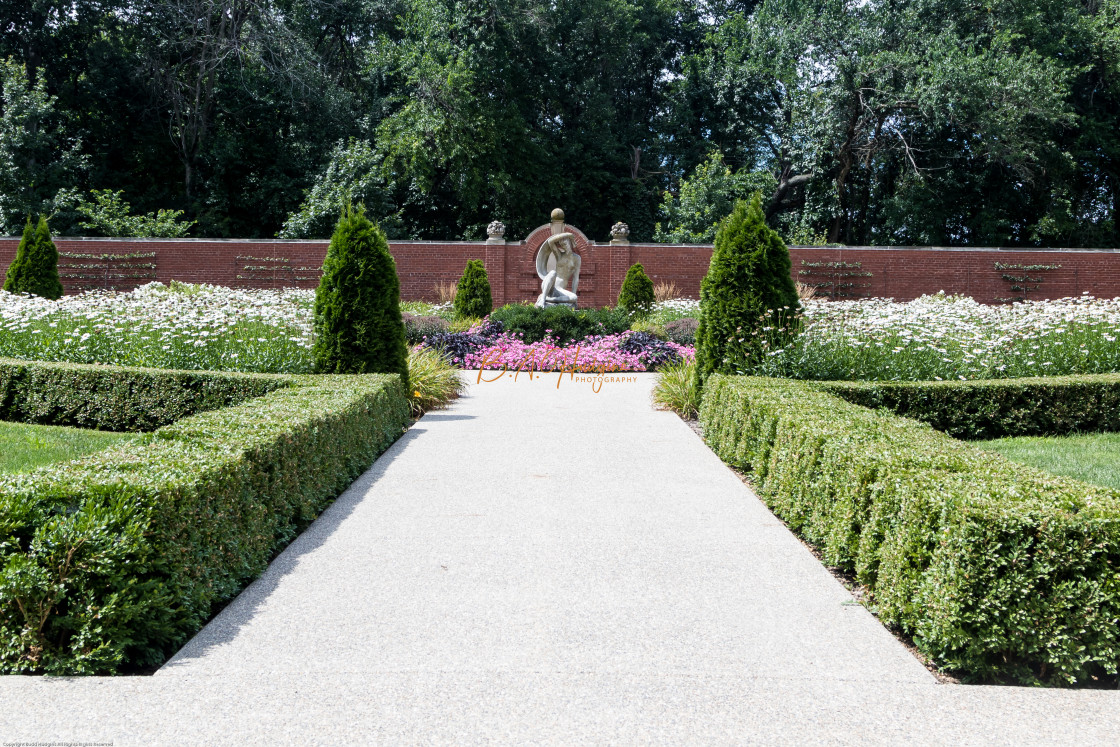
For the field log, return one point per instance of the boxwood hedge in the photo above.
(111, 562)
(1052, 405)
(110, 398)
(998, 571)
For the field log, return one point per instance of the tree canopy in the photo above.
(881, 121)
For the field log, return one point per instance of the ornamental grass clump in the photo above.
(472, 294)
(358, 324)
(682, 331)
(676, 389)
(433, 381)
(747, 292)
(418, 327)
(35, 267)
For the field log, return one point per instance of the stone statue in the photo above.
(558, 286)
(496, 231)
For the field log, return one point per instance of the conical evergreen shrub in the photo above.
(636, 294)
(35, 267)
(358, 323)
(747, 298)
(472, 295)
(13, 279)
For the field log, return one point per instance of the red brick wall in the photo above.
(904, 273)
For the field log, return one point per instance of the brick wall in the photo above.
(989, 275)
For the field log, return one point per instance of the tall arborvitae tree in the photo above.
(636, 294)
(472, 296)
(35, 267)
(358, 324)
(747, 295)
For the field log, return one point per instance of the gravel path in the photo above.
(543, 563)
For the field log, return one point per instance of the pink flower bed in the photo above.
(592, 354)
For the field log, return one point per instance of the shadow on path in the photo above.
(241, 610)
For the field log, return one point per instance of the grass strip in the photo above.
(25, 447)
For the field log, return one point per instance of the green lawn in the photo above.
(24, 447)
(1093, 457)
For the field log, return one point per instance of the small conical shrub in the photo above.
(358, 323)
(13, 280)
(472, 295)
(35, 267)
(636, 294)
(747, 299)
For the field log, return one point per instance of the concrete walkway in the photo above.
(546, 564)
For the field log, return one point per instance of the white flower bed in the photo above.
(952, 337)
(934, 337)
(181, 326)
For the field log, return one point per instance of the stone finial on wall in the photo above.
(620, 233)
(496, 233)
(557, 221)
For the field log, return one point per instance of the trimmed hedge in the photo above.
(110, 398)
(1054, 405)
(998, 571)
(113, 561)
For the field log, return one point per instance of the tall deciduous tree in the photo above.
(38, 157)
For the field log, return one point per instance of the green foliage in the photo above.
(567, 324)
(748, 289)
(112, 562)
(433, 380)
(996, 408)
(39, 157)
(472, 295)
(358, 323)
(463, 323)
(636, 293)
(930, 121)
(677, 389)
(416, 328)
(25, 447)
(108, 398)
(682, 331)
(34, 269)
(110, 215)
(705, 198)
(352, 176)
(998, 571)
(423, 308)
(644, 324)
